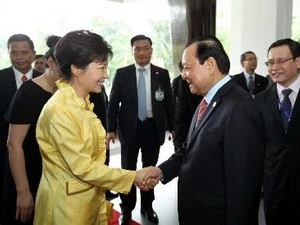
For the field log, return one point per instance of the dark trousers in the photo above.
(146, 140)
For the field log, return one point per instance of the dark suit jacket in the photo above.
(260, 82)
(220, 171)
(124, 92)
(282, 160)
(185, 107)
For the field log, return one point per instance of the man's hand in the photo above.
(111, 136)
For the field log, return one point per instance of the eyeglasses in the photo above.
(278, 62)
(251, 59)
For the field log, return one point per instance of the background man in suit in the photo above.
(136, 132)
(248, 79)
(220, 170)
(21, 52)
(280, 106)
(39, 63)
(175, 83)
(186, 105)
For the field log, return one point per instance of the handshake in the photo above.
(148, 177)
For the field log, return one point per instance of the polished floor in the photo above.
(165, 203)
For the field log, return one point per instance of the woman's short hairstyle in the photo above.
(80, 48)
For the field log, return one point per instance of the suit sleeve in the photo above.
(113, 104)
(169, 104)
(171, 167)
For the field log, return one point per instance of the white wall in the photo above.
(255, 25)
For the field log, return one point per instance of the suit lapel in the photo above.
(295, 119)
(243, 81)
(130, 83)
(192, 125)
(273, 104)
(11, 83)
(154, 81)
(210, 108)
(215, 102)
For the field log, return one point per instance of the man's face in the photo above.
(198, 76)
(39, 64)
(250, 63)
(21, 55)
(282, 67)
(142, 52)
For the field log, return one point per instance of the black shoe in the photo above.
(125, 219)
(109, 195)
(150, 215)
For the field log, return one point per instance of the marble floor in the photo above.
(165, 203)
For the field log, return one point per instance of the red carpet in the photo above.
(115, 219)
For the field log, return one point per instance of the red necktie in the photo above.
(202, 108)
(24, 78)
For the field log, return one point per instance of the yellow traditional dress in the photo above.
(74, 177)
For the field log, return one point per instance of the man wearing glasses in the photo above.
(280, 107)
(248, 79)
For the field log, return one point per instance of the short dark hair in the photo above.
(18, 38)
(243, 56)
(140, 37)
(37, 56)
(294, 46)
(80, 48)
(210, 46)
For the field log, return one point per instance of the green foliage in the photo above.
(118, 34)
(222, 34)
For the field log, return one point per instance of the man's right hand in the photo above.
(111, 136)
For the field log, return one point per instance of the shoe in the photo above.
(109, 195)
(150, 215)
(125, 219)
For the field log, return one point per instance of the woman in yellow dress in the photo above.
(72, 139)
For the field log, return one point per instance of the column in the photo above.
(255, 25)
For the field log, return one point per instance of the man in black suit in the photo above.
(175, 84)
(258, 82)
(136, 132)
(220, 170)
(21, 52)
(280, 106)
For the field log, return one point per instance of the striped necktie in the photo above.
(202, 108)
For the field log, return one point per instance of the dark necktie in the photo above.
(142, 107)
(286, 108)
(251, 85)
(202, 108)
(24, 78)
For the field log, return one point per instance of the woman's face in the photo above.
(91, 78)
